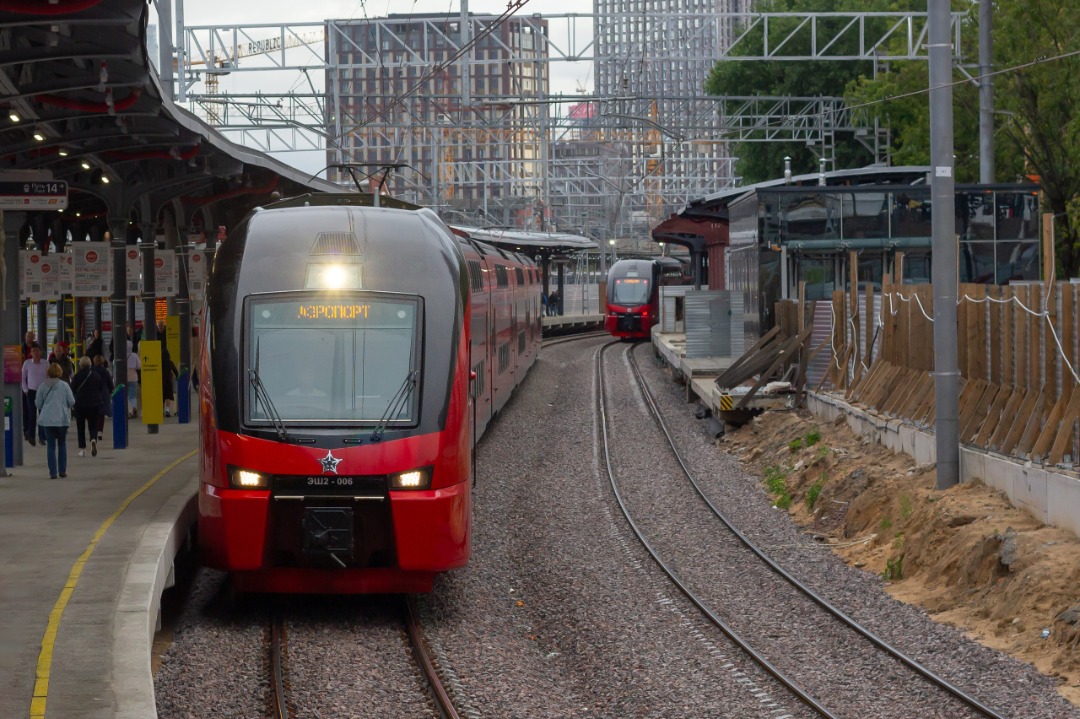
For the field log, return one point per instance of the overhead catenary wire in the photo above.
(974, 78)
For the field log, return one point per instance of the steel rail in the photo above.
(278, 705)
(571, 337)
(911, 663)
(423, 659)
(768, 666)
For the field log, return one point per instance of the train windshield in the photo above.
(334, 360)
(631, 291)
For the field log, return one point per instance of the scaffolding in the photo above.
(464, 102)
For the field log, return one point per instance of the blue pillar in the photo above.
(183, 396)
(120, 416)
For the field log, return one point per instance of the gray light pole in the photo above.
(943, 272)
(986, 93)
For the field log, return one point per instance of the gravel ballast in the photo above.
(560, 612)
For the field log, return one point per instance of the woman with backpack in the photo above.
(88, 387)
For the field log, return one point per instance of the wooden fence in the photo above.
(1017, 355)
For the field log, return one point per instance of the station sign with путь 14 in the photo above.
(34, 195)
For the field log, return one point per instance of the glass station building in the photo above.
(781, 235)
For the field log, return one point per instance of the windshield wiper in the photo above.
(397, 402)
(263, 396)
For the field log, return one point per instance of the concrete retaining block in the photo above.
(1049, 495)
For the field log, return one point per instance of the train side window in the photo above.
(502, 279)
(519, 275)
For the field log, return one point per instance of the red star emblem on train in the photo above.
(329, 463)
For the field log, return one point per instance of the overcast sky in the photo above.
(210, 12)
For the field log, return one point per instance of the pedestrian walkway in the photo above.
(82, 564)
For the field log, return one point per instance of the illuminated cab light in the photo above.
(413, 479)
(333, 276)
(246, 479)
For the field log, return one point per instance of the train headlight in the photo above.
(333, 276)
(246, 479)
(413, 479)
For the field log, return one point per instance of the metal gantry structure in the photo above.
(635, 141)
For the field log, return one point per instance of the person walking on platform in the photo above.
(107, 387)
(133, 367)
(34, 372)
(60, 356)
(95, 345)
(54, 402)
(87, 388)
(168, 373)
(28, 342)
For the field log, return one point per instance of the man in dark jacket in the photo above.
(87, 386)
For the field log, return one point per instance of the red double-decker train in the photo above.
(352, 357)
(633, 298)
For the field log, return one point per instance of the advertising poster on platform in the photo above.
(164, 274)
(66, 272)
(91, 264)
(133, 259)
(40, 275)
(196, 275)
(13, 360)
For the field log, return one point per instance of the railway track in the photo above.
(819, 704)
(561, 339)
(280, 706)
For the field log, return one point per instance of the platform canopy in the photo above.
(530, 242)
(81, 103)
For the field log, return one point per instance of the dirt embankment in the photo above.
(964, 555)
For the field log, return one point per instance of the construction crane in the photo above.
(229, 58)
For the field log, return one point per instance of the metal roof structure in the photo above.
(82, 103)
(524, 241)
(912, 174)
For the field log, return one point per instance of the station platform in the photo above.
(697, 373)
(557, 323)
(85, 559)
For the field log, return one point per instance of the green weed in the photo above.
(885, 524)
(894, 569)
(776, 482)
(813, 437)
(906, 506)
(814, 492)
(795, 444)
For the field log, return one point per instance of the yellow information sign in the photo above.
(152, 401)
(172, 337)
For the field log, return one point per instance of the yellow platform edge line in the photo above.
(44, 663)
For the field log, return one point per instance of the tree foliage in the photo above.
(828, 78)
(1037, 122)
(1037, 127)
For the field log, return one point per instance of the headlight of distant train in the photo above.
(246, 479)
(413, 479)
(333, 276)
